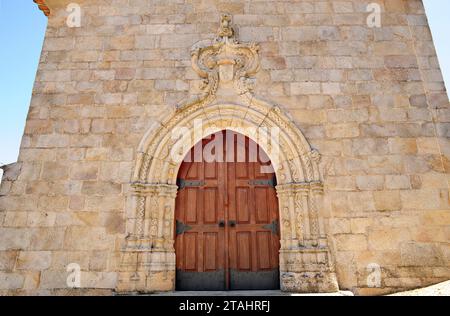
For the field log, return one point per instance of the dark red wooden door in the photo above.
(227, 231)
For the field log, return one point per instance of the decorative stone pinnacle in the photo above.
(226, 31)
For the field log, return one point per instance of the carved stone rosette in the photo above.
(148, 257)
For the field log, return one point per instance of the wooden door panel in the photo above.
(210, 198)
(252, 264)
(242, 171)
(191, 205)
(242, 211)
(190, 257)
(200, 250)
(261, 205)
(243, 253)
(211, 251)
(263, 242)
(193, 171)
(244, 249)
(210, 171)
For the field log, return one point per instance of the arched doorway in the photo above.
(226, 102)
(148, 259)
(227, 233)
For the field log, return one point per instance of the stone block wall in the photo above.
(371, 100)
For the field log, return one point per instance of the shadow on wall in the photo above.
(1, 172)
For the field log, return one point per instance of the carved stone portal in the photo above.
(227, 67)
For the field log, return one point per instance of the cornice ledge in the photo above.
(43, 6)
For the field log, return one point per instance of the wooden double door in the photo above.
(227, 229)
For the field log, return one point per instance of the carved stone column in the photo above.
(305, 262)
(148, 257)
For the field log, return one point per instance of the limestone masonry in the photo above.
(363, 179)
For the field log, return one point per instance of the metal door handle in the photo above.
(221, 223)
(232, 223)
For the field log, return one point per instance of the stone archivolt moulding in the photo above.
(148, 256)
(43, 6)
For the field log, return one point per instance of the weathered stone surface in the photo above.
(417, 254)
(387, 200)
(7, 260)
(351, 242)
(54, 279)
(370, 183)
(34, 260)
(99, 280)
(387, 238)
(11, 281)
(398, 182)
(86, 238)
(48, 239)
(11, 172)
(14, 238)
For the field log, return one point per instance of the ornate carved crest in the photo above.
(226, 61)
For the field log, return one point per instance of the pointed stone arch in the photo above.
(259, 120)
(148, 257)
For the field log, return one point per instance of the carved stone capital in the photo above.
(148, 189)
(301, 187)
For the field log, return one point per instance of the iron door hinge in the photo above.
(181, 228)
(181, 183)
(266, 182)
(273, 227)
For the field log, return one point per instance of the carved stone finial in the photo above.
(226, 61)
(225, 31)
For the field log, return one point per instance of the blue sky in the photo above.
(22, 29)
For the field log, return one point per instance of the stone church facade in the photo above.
(363, 146)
